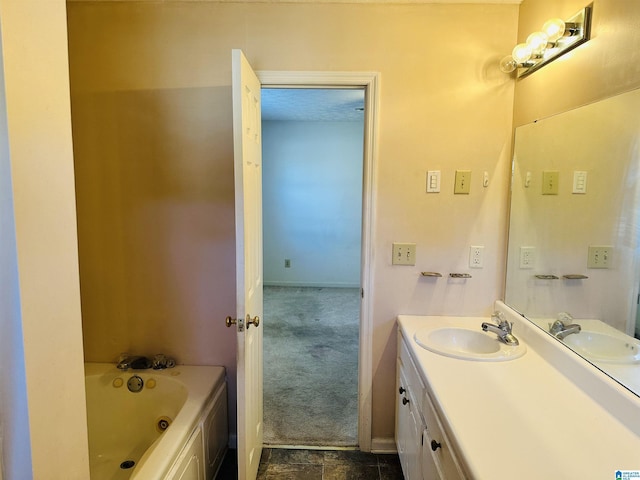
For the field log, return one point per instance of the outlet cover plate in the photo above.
(476, 257)
(527, 257)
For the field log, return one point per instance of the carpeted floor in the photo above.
(311, 366)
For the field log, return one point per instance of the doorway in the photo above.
(312, 208)
(370, 82)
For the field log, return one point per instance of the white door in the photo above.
(247, 144)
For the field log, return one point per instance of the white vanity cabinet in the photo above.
(423, 447)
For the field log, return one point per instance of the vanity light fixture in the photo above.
(555, 38)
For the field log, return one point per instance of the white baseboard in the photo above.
(383, 445)
(311, 284)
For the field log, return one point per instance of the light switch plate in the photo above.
(580, 182)
(550, 182)
(404, 254)
(433, 181)
(600, 256)
(463, 182)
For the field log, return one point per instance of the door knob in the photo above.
(230, 321)
(435, 445)
(255, 320)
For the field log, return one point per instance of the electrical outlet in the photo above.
(404, 254)
(476, 257)
(527, 257)
(600, 256)
(463, 182)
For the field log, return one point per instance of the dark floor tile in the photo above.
(290, 456)
(343, 457)
(391, 472)
(388, 459)
(351, 472)
(293, 472)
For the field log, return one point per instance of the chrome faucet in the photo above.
(502, 329)
(133, 361)
(561, 328)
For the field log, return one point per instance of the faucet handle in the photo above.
(500, 319)
(565, 317)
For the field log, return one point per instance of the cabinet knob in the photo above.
(401, 390)
(405, 400)
(435, 445)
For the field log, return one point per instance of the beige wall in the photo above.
(606, 65)
(151, 115)
(46, 298)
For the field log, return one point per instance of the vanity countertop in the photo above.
(520, 418)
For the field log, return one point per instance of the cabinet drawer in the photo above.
(416, 386)
(437, 444)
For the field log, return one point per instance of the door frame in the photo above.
(370, 81)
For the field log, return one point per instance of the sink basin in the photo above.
(603, 347)
(467, 344)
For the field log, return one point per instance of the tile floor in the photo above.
(287, 464)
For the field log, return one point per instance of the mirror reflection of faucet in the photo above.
(502, 329)
(139, 362)
(562, 327)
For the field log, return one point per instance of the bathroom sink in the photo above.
(603, 347)
(467, 344)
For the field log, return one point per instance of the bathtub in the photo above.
(174, 427)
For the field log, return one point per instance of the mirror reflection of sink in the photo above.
(467, 344)
(602, 347)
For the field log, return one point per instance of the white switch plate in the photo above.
(476, 257)
(600, 256)
(433, 181)
(404, 254)
(579, 182)
(527, 257)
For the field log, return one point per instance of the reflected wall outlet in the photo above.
(527, 257)
(600, 256)
(404, 254)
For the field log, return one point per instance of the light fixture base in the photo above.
(578, 31)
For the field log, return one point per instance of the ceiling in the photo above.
(313, 104)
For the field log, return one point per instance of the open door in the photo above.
(247, 142)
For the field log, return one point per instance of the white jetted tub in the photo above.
(174, 427)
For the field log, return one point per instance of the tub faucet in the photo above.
(137, 362)
(502, 329)
(561, 328)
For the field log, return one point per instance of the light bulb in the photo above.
(508, 64)
(554, 29)
(538, 42)
(521, 53)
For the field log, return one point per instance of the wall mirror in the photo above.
(574, 232)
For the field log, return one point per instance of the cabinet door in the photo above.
(437, 446)
(408, 429)
(429, 467)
